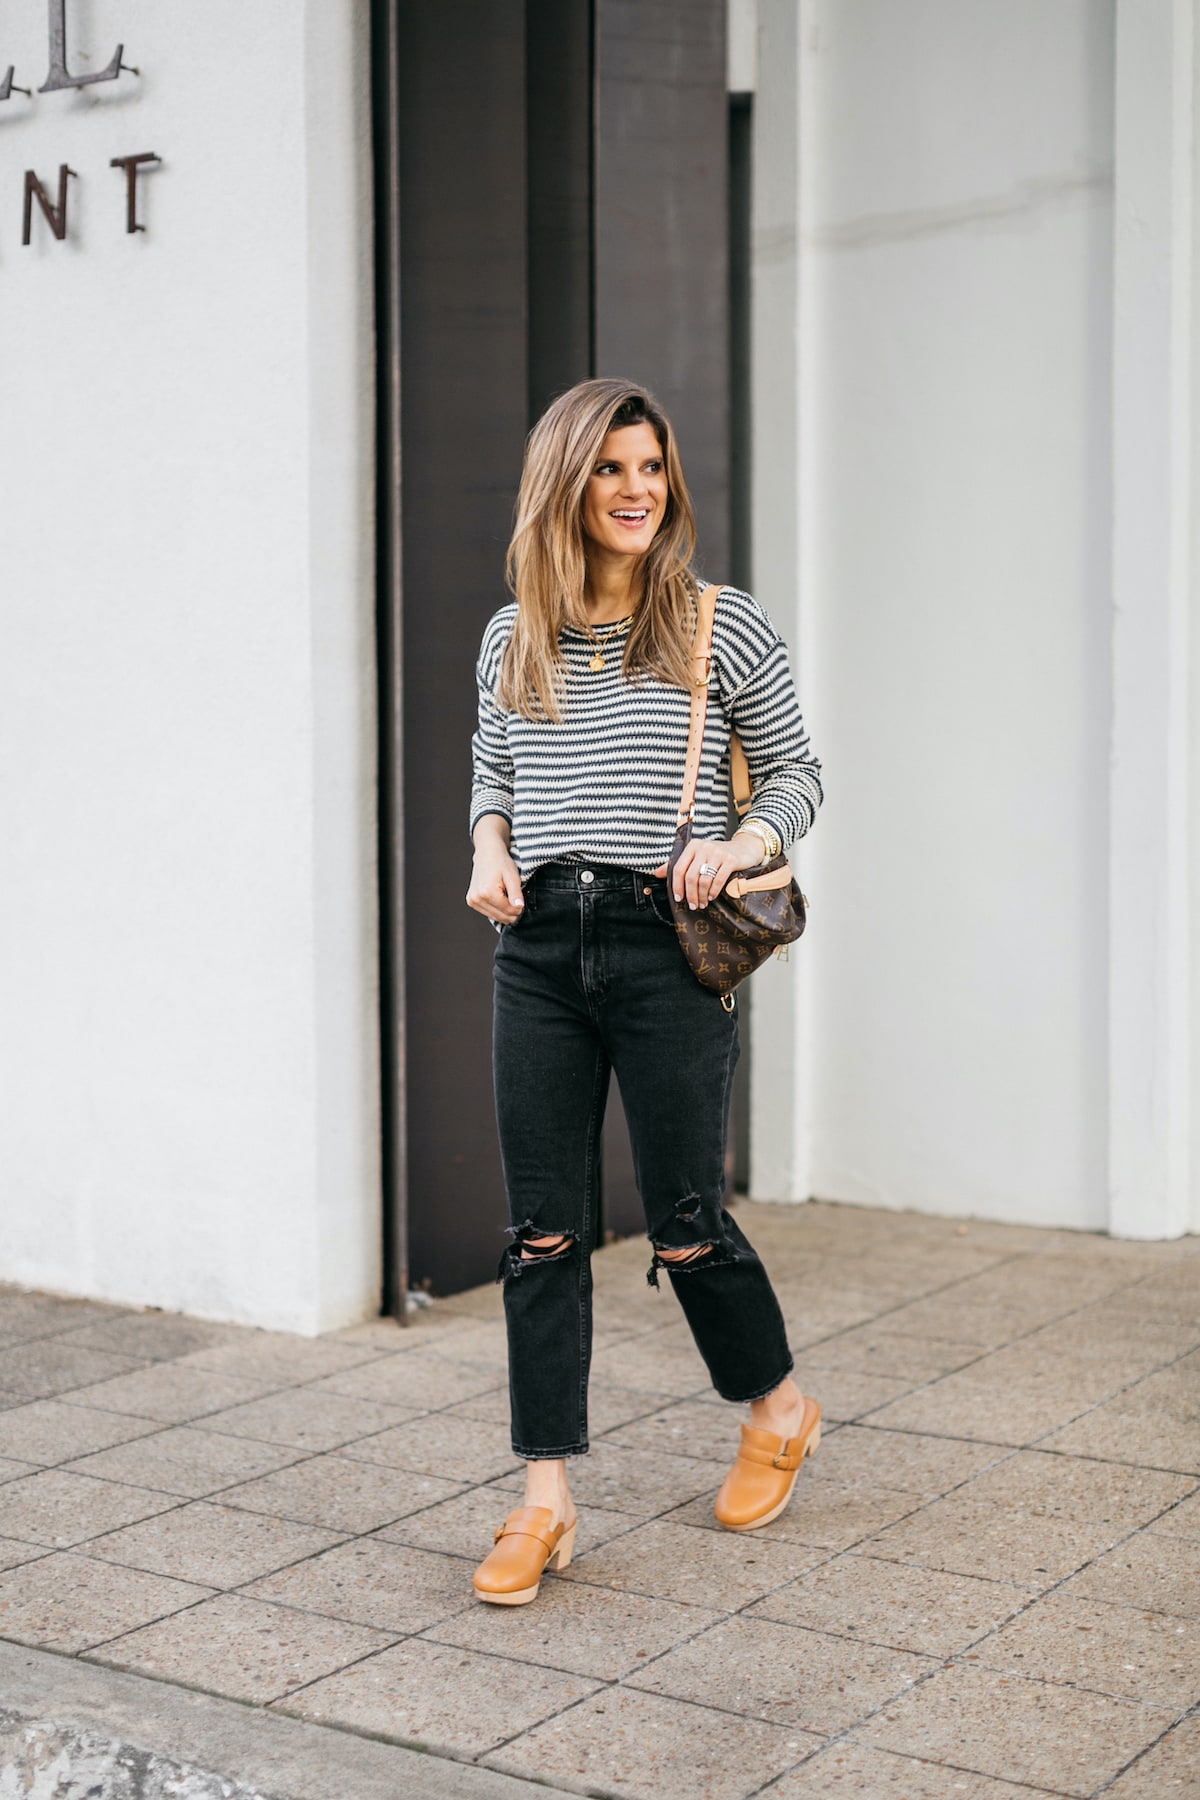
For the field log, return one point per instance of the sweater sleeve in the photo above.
(492, 780)
(759, 698)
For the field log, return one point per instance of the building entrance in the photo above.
(552, 181)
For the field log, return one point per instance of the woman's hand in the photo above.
(495, 889)
(726, 855)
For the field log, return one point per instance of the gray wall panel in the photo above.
(661, 211)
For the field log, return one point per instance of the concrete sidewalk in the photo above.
(985, 1585)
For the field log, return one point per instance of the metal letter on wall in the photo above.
(131, 165)
(60, 76)
(8, 87)
(56, 216)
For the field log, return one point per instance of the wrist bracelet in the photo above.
(758, 831)
(771, 842)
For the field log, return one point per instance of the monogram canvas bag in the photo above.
(759, 910)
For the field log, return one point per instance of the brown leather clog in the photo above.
(527, 1544)
(760, 1483)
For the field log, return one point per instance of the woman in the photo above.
(578, 770)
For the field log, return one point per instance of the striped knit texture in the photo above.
(603, 784)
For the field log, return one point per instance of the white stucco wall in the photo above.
(187, 1034)
(934, 527)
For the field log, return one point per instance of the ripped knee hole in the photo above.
(534, 1247)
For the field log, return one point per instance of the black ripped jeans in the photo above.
(591, 979)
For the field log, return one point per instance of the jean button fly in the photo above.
(586, 876)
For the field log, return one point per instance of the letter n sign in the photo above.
(56, 215)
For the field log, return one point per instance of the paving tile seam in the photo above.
(1122, 1287)
(277, 1568)
(924, 1387)
(77, 1544)
(447, 1752)
(933, 1569)
(88, 1652)
(252, 1706)
(627, 1681)
(347, 1448)
(240, 1589)
(824, 1551)
(117, 1562)
(999, 1581)
(648, 1662)
(1008, 1451)
(1038, 1444)
(940, 1665)
(1191, 1713)
(943, 1289)
(1175, 1503)
(69, 1397)
(57, 1335)
(727, 1612)
(1088, 1456)
(959, 1657)
(73, 1331)
(363, 1353)
(146, 1487)
(1075, 1687)
(571, 1705)
(1107, 1400)
(901, 1756)
(239, 1593)
(842, 1734)
(926, 1762)
(42, 1551)
(279, 1700)
(372, 1531)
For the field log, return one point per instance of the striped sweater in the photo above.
(603, 784)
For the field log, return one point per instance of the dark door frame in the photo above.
(390, 659)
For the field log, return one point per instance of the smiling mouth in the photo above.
(631, 515)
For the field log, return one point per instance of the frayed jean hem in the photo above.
(760, 1393)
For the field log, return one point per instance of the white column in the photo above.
(778, 1107)
(741, 46)
(188, 933)
(1151, 873)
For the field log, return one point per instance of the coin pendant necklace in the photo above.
(597, 662)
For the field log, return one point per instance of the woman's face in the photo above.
(625, 500)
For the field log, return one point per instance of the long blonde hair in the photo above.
(547, 561)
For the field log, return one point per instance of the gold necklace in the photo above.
(597, 662)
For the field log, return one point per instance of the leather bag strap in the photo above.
(706, 606)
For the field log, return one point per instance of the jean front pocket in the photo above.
(658, 901)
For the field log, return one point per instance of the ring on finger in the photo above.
(707, 869)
